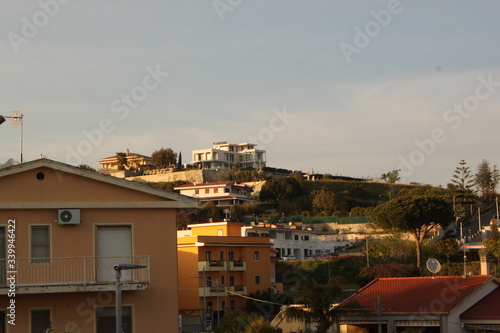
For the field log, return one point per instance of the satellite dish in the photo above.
(433, 265)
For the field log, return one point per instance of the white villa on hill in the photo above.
(224, 155)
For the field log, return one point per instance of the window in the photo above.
(231, 281)
(207, 190)
(257, 280)
(296, 237)
(222, 280)
(208, 256)
(256, 255)
(40, 243)
(216, 190)
(209, 281)
(232, 305)
(221, 255)
(40, 321)
(197, 191)
(231, 256)
(106, 319)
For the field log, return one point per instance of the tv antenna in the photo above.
(433, 265)
(18, 120)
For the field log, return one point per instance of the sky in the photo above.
(352, 88)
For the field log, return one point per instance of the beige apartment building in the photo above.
(62, 230)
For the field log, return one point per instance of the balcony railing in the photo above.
(64, 273)
(238, 265)
(213, 265)
(212, 291)
(240, 290)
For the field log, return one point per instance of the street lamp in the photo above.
(118, 274)
(18, 118)
(378, 306)
(204, 297)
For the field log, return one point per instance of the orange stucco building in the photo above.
(217, 266)
(62, 229)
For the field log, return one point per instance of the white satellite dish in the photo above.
(433, 265)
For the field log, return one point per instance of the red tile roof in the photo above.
(416, 295)
(487, 308)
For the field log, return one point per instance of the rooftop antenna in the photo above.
(18, 120)
(433, 266)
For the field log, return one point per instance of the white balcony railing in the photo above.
(75, 271)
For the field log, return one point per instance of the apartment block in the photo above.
(217, 266)
(62, 231)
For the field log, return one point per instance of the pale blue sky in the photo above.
(227, 80)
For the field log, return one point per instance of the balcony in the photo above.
(240, 290)
(213, 291)
(212, 266)
(76, 274)
(237, 265)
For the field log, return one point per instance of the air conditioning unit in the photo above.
(68, 216)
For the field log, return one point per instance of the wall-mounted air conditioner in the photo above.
(68, 216)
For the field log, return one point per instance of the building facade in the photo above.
(62, 231)
(113, 165)
(294, 242)
(224, 155)
(223, 194)
(216, 268)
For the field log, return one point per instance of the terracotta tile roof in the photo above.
(487, 308)
(416, 295)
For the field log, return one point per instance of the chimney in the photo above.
(485, 267)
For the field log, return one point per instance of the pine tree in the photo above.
(463, 185)
(484, 178)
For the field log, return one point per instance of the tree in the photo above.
(86, 167)
(328, 201)
(284, 188)
(121, 158)
(462, 186)
(486, 179)
(316, 300)
(462, 177)
(179, 161)
(162, 158)
(391, 177)
(238, 321)
(492, 243)
(417, 215)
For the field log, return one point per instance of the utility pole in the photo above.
(18, 120)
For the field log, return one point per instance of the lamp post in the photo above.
(118, 274)
(378, 306)
(18, 118)
(204, 296)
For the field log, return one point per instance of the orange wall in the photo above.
(153, 234)
(243, 247)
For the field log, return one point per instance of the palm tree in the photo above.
(122, 160)
(316, 303)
